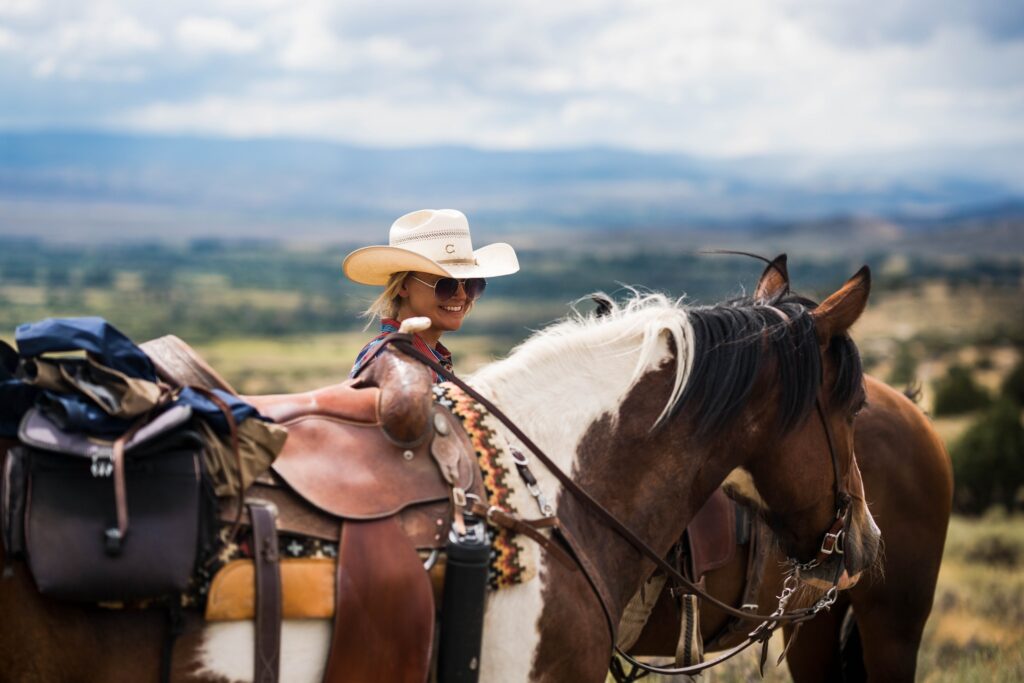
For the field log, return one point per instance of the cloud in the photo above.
(380, 121)
(910, 21)
(203, 35)
(8, 40)
(14, 8)
(726, 78)
(101, 44)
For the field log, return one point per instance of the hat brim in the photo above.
(375, 265)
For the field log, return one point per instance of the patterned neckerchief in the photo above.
(389, 326)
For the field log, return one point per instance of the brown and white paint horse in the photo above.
(649, 409)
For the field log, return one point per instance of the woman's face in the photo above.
(418, 300)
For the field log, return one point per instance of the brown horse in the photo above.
(648, 409)
(908, 483)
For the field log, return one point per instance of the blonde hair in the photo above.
(387, 302)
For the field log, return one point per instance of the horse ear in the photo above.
(604, 304)
(837, 313)
(774, 280)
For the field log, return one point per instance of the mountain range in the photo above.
(63, 185)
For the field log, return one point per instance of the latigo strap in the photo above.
(267, 656)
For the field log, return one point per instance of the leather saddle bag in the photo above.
(69, 509)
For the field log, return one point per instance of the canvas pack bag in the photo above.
(101, 521)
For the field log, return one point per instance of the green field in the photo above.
(289, 363)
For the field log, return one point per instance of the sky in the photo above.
(728, 78)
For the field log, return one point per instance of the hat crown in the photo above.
(442, 235)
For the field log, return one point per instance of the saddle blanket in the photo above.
(514, 557)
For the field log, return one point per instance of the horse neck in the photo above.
(555, 391)
(572, 408)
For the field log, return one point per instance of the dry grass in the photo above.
(938, 309)
(976, 630)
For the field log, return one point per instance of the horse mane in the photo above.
(635, 330)
(719, 351)
(732, 340)
(913, 392)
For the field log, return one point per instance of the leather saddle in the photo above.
(370, 464)
(711, 537)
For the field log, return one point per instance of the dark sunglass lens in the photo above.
(446, 288)
(475, 287)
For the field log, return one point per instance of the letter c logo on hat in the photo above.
(449, 248)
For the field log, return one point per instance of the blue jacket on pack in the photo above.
(76, 412)
(95, 335)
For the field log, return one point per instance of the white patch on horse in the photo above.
(227, 650)
(555, 386)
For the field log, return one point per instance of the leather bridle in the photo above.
(832, 539)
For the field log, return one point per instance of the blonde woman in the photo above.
(428, 269)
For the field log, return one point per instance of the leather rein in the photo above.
(832, 539)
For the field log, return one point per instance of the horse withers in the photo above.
(648, 409)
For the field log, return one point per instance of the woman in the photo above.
(429, 269)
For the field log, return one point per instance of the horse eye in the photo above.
(859, 409)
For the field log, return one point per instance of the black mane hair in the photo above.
(733, 339)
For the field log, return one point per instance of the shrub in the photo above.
(1013, 384)
(988, 460)
(957, 392)
(904, 366)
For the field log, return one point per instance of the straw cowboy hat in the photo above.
(430, 241)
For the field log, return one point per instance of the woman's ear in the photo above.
(403, 291)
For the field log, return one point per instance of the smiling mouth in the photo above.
(452, 309)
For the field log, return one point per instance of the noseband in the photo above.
(831, 543)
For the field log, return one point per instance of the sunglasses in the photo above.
(447, 287)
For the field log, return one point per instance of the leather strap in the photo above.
(267, 660)
(115, 537)
(530, 528)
